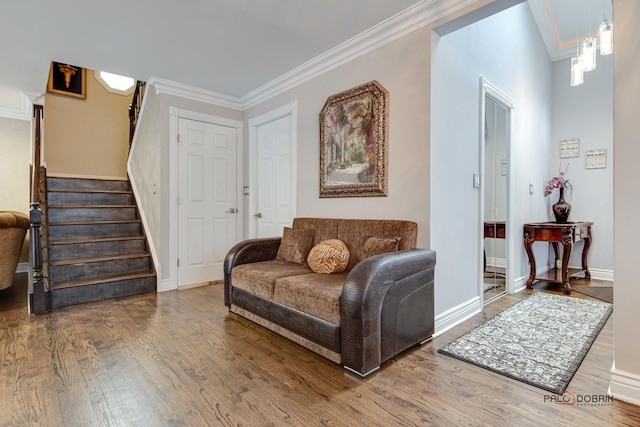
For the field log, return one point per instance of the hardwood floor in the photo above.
(178, 358)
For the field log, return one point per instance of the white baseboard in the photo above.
(457, 315)
(604, 275)
(165, 285)
(496, 262)
(23, 267)
(519, 284)
(625, 386)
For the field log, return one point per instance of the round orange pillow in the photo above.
(329, 256)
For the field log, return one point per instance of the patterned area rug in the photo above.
(541, 340)
(604, 293)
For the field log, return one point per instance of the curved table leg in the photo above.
(528, 241)
(567, 245)
(585, 254)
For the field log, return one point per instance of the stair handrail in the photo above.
(40, 302)
(134, 109)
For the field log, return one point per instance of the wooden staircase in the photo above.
(97, 246)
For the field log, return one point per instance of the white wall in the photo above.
(625, 382)
(15, 146)
(144, 170)
(15, 149)
(507, 50)
(586, 112)
(402, 68)
(150, 168)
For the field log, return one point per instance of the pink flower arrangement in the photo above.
(557, 182)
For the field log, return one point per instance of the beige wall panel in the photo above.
(87, 137)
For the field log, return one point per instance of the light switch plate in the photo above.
(476, 180)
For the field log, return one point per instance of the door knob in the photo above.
(232, 210)
(258, 215)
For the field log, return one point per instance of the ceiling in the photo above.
(231, 47)
(564, 22)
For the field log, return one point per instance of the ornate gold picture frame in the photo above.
(65, 79)
(353, 142)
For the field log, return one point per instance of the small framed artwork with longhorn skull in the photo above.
(66, 79)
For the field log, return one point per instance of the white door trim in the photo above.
(290, 109)
(174, 115)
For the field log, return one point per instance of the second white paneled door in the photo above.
(275, 208)
(207, 199)
(272, 146)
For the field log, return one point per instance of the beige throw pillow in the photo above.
(295, 245)
(329, 256)
(380, 245)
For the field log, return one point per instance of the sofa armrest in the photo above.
(252, 250)
(395, 288)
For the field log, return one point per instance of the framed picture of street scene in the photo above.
(353, 142)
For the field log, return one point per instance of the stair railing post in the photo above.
(134, 109)
(40, 305)
(40, 301)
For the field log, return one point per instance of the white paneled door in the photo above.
(207, 201)
(275, 190)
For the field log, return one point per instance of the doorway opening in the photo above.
(495, 142)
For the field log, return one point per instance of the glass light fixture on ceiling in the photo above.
(588, 54)
(577, 75)
(605, 33)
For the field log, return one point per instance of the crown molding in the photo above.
(418, 16)
(22, 112)
(409, 20)
(547, 32)
(168, 87)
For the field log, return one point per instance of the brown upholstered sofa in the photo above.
(13, 229)
(379, 306)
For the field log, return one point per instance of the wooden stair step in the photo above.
(96, 222)
(59, 183)
(91, 213)
(92, 207)
(83, 230)
(100, 259)
(89, 198)
(89, 191)
(70, 270)
(92, 248)
(105, 239)
(104, 279)
(116, 286)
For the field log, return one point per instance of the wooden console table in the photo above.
(567, 234)
(494, 230)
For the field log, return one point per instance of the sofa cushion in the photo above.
(380, 245)
(324, 228)
(295, 245)
(354, 234)
(315, 294)
(260, 277)
(329, 256)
